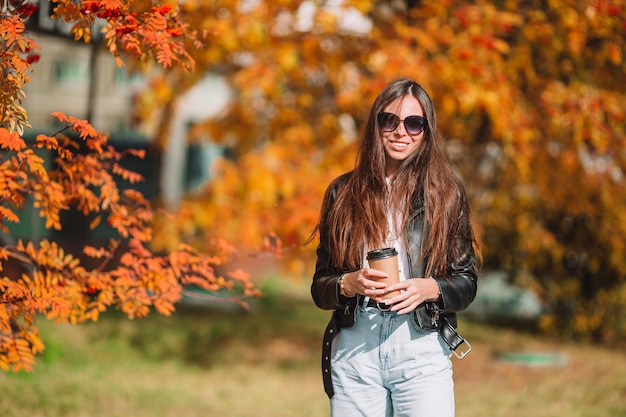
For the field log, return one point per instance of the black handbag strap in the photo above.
(458, 345)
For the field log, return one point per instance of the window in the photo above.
(69, 73)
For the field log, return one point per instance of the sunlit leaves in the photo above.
(531, 99)
(17, 54)
(128, 275)
(11, 140)
(76, 168)
(155, 33)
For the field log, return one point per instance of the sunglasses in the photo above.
(414, 125)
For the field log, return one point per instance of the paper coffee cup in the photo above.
(385, 260)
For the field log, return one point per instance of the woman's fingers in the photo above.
(413, 293)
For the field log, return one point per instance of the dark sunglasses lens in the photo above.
(414, 124)
(388, 122)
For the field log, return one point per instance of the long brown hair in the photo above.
(358, 214)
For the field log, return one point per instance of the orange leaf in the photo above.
(8, 214)
(11, 140)
(239, 274)
(95, 222)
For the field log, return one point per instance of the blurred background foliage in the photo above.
(530, 94)
(222, 360)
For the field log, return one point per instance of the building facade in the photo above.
(81, 80)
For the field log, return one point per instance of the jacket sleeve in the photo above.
(458, 288)
(324, 288)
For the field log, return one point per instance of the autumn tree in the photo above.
(76, 168)
(529, 93)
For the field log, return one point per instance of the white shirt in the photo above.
(395, 239)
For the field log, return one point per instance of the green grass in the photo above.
(229, 362)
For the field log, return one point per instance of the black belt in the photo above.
(385, 308)
(447, 331)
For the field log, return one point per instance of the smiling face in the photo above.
(399, 144)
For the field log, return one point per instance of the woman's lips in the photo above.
(399, 145)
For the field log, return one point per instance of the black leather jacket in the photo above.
(458, 287)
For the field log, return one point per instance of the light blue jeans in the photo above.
(385, 366)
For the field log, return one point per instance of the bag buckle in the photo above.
(464, 351)
(454, 340)
(385, 307)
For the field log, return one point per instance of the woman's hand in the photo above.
(366, 282)
(413, 293)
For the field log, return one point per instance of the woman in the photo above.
(386, 356)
